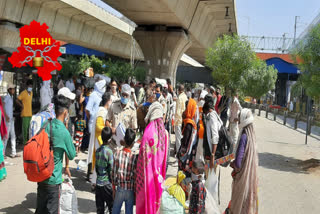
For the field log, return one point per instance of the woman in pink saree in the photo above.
(151, 167)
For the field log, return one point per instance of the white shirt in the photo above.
(70, 85)
(8, 105)
(46, 95)
(213, 125)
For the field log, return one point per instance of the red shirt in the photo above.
(217, 103)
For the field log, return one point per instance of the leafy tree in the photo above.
(140, 74)
(308, 51)
(229, 59)
(70, 67)
(119, 70)
(93, 61)
(259, 79)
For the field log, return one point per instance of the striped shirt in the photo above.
(104, 164)
(124, 166)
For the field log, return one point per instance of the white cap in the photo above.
(203, 94)
(126, 89)
(67, 93)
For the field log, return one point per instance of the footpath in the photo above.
(289, 175)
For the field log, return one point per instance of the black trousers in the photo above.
(48, 199)
(104, 195)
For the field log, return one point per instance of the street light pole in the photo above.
(295, 29)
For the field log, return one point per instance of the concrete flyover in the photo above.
(74, 21)
(169, 28)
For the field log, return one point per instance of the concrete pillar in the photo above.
(162, 48)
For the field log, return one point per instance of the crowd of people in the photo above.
(125, 131)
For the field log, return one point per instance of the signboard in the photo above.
(63, 50)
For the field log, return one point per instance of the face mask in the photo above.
(194, 177)
(158, 95)
(113, 88)
(124, 101)
(66, 118)
(29, 89)
(147, 104)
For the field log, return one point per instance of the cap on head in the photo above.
(11, 86)
(126, 89)
(67, 93)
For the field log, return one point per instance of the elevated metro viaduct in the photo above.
(169, 28)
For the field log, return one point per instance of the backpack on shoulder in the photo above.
(38, 159)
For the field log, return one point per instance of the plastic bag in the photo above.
(170, 205)
(211, 205)
(176, 190)
(68, 198)
(212, 184)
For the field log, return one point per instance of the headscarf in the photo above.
(100, 87)
(155, 111)
(190, 113)
(246, 118)
(244, 198)
(3, 128)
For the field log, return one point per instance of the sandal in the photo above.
(15, 156)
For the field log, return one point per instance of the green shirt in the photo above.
(62, 143)
(104, 164)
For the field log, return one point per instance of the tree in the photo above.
(229, 59)
(119, 70)
(259, 79)
(140, 74)
(70, 67)
(93, 62)
(308, 51)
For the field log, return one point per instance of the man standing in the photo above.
(8, 113)
(25, 101)
(180, 108)
(122, 112)
(46, 93)
(234, 111)
(212, 126)
(48, 191)
(70, 84)
(141, 94)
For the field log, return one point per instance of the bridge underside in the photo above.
(73, 21)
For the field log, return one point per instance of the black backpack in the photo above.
(225, 144)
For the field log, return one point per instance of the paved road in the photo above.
(288, 183)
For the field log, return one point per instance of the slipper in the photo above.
(15, 156)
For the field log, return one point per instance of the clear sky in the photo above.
(275, 17)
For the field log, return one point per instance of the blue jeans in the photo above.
(123, 195)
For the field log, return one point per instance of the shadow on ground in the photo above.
(24, 207)
(287, 164)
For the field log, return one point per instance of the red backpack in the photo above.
(38, 159)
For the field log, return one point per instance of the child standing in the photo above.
(80, 126)
(125, 162)
(104, 164)
(198, 192)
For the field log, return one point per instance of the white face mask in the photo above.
(29, 89)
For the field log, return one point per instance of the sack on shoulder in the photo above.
(38, 159)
